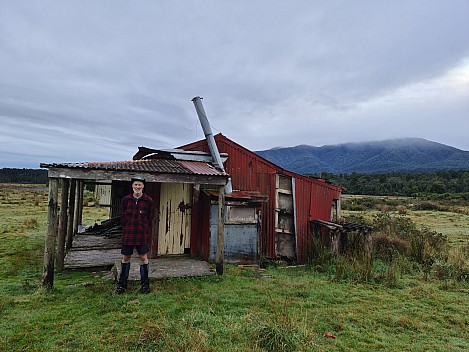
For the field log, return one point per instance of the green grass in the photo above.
(278, 309)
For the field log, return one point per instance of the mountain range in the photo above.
(405, 155)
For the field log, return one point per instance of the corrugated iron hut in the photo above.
(173, 178)
(289, 202)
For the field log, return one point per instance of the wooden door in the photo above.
(174, 233)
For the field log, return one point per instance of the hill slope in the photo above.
(405, 155)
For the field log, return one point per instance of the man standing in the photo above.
(137, 211)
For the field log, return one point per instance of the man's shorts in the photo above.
(141, 249)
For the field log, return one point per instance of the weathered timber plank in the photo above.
(169, 267)
(88, 242)
(92, 258)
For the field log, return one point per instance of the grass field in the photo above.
(247, 309)
(453, 221)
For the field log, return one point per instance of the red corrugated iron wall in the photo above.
(302, 190)
(314, 200)
(250, 172)
(200, 225)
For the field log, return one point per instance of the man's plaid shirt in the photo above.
(136, 218)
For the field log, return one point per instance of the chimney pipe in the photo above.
(212, 145)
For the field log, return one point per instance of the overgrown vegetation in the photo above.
(435, 185)
(400, 243)
(404, 204)
(392, 305)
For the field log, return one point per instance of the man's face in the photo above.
(137, 187)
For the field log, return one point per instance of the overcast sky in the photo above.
(93, 80)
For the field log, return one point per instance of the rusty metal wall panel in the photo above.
(200, 232)
(240, 239)
(322, 199)
(250, 172)
(302, 216)
(314, 200)
(175, 218)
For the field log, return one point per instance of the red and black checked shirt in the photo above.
(136, 218)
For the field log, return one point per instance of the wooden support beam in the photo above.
(49, 249)
(220, 256)
(81, 191)
(78, 206)
(71, 214)
(62, 224)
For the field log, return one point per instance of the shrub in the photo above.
(427, 246)
(459, 259)
(444, 270)
(399, 226)
(357, 219)
(89, 199)
(427, 205)
(384, 208)
(386, 247)
(402, 210)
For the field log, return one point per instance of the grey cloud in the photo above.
(112, 75)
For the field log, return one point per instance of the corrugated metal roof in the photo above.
(201, 168)
(147, 165)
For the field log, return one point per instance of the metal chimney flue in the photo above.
(212, 145)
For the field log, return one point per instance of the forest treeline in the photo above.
(8, 175)
(397, 184)
(389, 184)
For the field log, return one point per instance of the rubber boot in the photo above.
(123, 278)
(144, 280)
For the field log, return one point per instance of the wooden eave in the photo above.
(118, 175)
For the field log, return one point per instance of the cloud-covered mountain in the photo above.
(405, 155)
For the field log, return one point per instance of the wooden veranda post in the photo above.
(78, 206)
(81, 191)
(62, 224)
(71, 213)
(220, 257)
(49, 249)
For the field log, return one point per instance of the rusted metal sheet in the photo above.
(200, 168)
(240, 242)
(174, 231)
(200, 224)
(302, 216)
